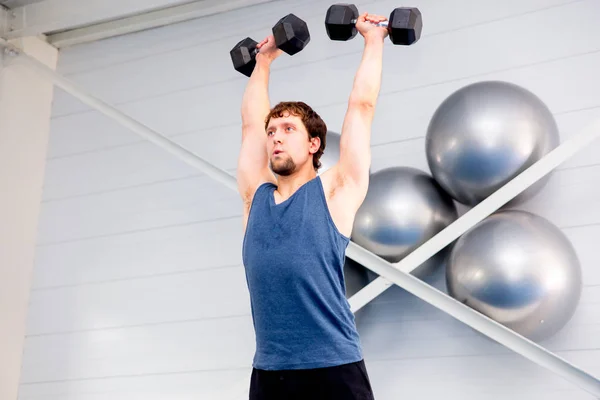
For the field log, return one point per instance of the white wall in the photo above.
(139, 292)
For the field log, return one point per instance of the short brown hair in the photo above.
(315, 126)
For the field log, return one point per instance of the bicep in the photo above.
(252, 166)
(355, 144)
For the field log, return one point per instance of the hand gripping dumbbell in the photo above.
(291, 35)
(404, 25)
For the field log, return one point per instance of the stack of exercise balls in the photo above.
(515, 267)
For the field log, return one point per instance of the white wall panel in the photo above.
(207, 345)
(187, 247)
(174, 386)
(189, 296)
(162, 204)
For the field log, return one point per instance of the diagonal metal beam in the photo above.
(467, 315)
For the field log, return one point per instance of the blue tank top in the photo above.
(294, 257)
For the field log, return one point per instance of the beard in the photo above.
(283, 167)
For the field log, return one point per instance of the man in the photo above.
(297, 227)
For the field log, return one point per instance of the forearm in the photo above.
(367, 81)
(255, 102)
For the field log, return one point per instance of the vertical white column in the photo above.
(25, 106)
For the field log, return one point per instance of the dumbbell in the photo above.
(404, 24)
(291, 35)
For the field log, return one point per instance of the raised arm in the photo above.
(253, 167)
(355, 150)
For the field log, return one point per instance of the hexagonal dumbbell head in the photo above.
(405, 25)
(243, 56)
(340, 21)
(291, 34)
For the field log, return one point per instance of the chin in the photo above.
(283, 168)
(283, 171)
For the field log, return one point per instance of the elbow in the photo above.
(251, 125)
(364, 104)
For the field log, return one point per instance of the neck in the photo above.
(287, 185)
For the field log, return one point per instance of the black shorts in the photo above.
(343, 382)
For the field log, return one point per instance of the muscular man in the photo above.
(297, 226)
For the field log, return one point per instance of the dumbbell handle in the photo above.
(383, 24)
(254, 51)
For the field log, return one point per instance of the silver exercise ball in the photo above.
(485, 134)
(331, 154)
(404, 208)
(518, 269)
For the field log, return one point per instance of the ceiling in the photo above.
(70, 22)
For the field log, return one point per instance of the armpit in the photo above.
(338, 182)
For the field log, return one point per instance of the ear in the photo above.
(315, 144)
